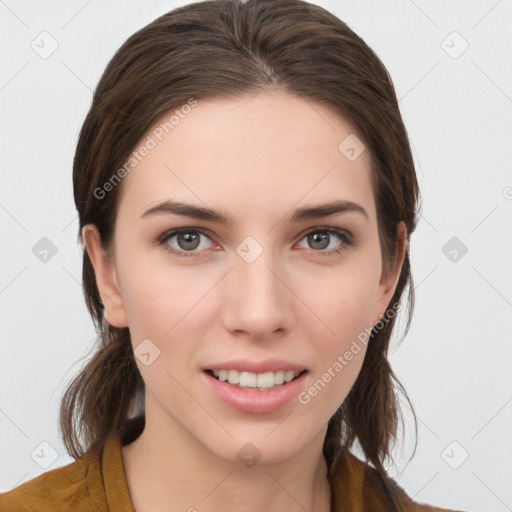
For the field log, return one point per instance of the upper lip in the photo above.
(247, 365)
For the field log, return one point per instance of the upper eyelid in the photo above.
(327, 228)
(176, 231)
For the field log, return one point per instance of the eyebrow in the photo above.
(318, 211)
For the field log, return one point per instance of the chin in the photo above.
(262, 445)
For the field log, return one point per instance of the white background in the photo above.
(455, 362)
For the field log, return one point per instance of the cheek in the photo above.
(166, 305)
(346, 305)
(339, 356)
(156, 295)
(346, 310)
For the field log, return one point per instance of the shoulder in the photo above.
(359, 485)
(75, 486)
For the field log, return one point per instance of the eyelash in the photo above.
(343, 235)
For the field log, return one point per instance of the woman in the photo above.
(246, 194)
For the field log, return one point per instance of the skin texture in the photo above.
(256, 158)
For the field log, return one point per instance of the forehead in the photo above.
(254, 152)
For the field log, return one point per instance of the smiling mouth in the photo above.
(255, 381)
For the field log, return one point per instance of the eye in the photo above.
(320, 239)
(187, 240)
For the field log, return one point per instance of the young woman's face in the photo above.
(269, 292)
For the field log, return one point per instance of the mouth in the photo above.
(255, 381)
(255, 387)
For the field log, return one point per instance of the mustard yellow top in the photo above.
(98, 484)
(86, 485)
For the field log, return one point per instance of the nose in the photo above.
(257, 301)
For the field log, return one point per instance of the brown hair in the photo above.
(225, 48)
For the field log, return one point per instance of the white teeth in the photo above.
(288, 376)
(255, 380)
(233, 377)
(248, 379)
(265, 380)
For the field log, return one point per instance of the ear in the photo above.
(106, 280)
(389, 280)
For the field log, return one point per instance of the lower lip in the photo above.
(255, 402)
